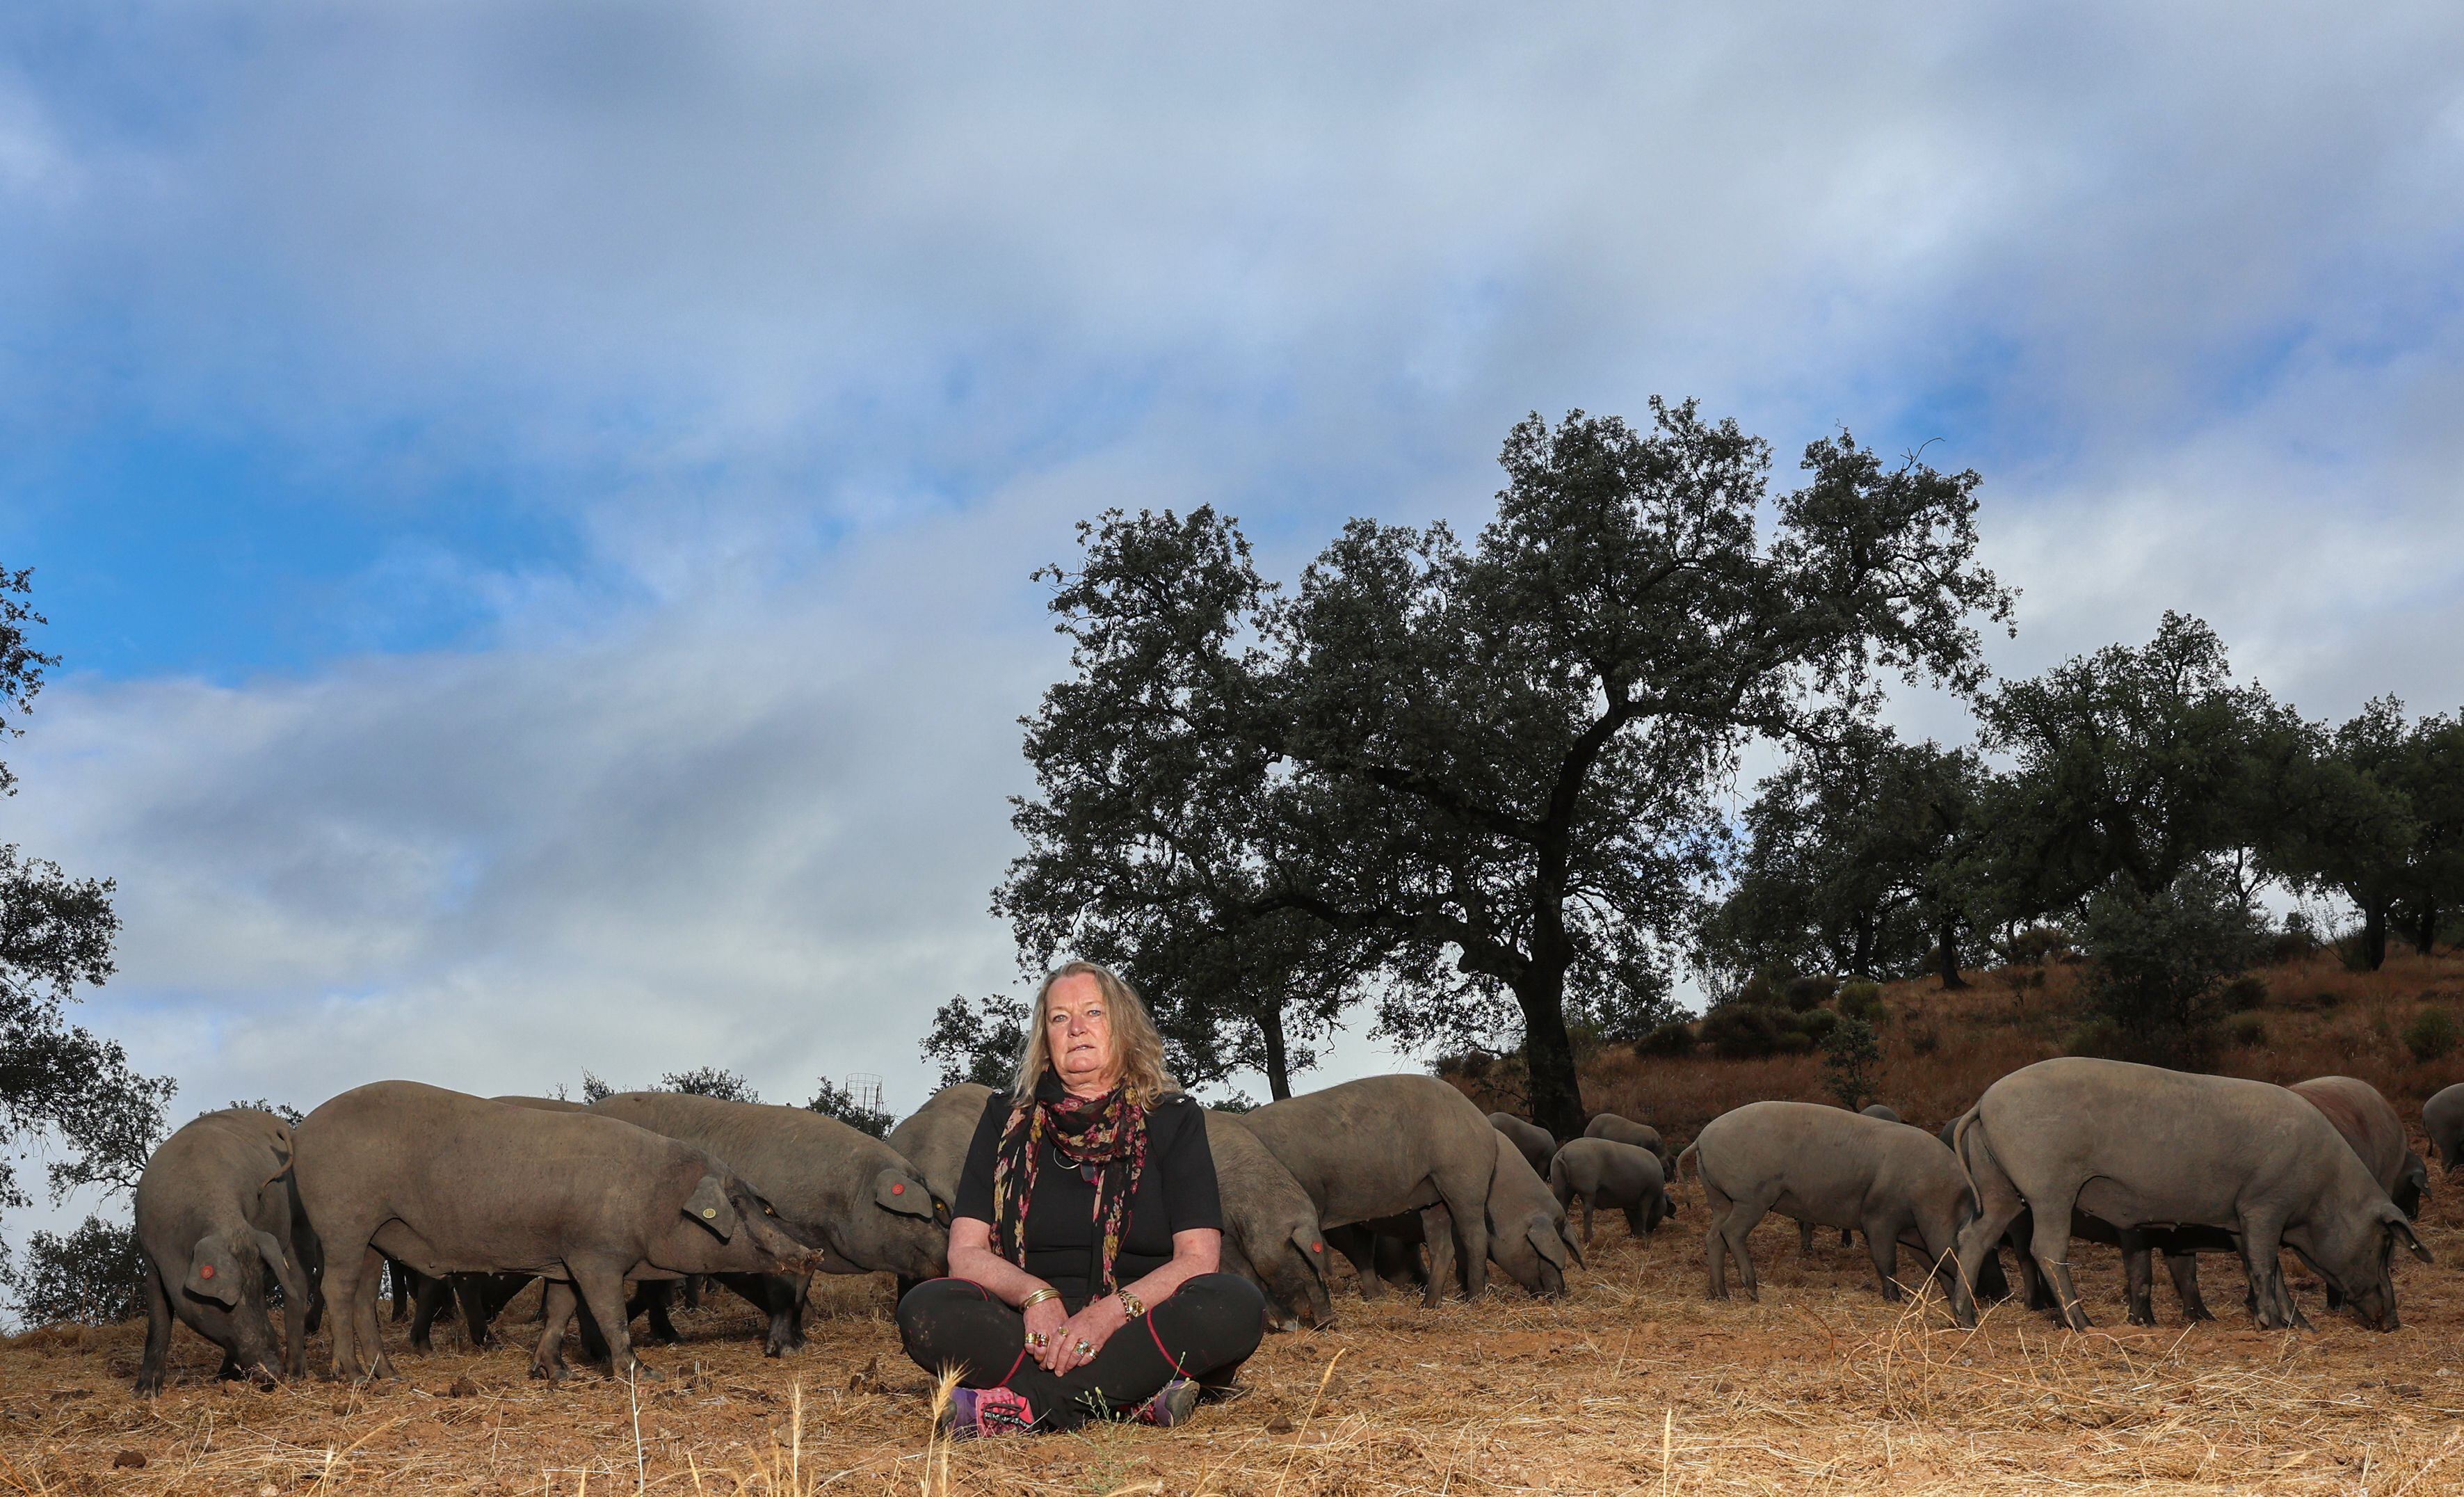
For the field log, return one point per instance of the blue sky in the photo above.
(537, 501)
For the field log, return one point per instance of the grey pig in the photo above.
(1835, 1168)
(450, 1183)
(2442, 1118)
(1625, 1130)
(214, 1218)
(2136, 1146)
(835, 1186)
(1381, 1145)
(1534, 1142)
(1616, 1176)
(1270, 1230)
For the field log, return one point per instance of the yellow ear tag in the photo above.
(710, 1211)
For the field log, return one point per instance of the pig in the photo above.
(1381, 1145)
(214, 1220)
(2442, 1118)
(2138, 1146)
(1270, 1231)
(1535, 1142)
(835, 1186)
(2370, 1126)
(936, 1139)
(1617, 1176)
(1877, 1110)
(1624, 1130)
(450, 1183)
(1833, 1168)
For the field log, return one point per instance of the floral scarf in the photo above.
(1104, 1137)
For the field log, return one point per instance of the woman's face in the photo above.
(1078, 1032)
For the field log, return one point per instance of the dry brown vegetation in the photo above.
(1633, 1384)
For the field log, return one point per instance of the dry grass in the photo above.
(1633, 1384)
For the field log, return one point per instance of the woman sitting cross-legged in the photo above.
(1084, 1244)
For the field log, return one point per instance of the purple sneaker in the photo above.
(1173, 1406)
(982, 1413)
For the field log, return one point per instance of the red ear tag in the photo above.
(1318, 1248)
(206, 1272)
(898, 1190)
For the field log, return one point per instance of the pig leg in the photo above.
(2138, 1276)
(428, 1297)
(371, 1351)
(1715, 1242)
(1805, 1239)
(1637, 1221)
(2052, 1247)
(602, 1287)
(158, 1330)
(1437, 1225)
(1587, 1220)
(2185, 1270)
(653, 1297)
(555, 1308)
(1883, 1245)
(1465, 1191)
(1360, 1250)
(342, 1287)
(399, 1285)
(472, 1292)
(1998, 1206)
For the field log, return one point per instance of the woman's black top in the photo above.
(1175, 1193)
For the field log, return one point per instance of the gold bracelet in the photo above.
(1130, 1305)
(1047, 1293)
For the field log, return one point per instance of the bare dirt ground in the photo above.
(1633, 1384)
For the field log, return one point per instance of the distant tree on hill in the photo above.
(1492, 769)
(710, 1081)
(1855, 860)
(60, 1084)
(2377, 817)
(2130, 765)
(2158, 966)
(834, 1100)
(89, 1277)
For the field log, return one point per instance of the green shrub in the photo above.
(1675, 1038)
(2247, 1031)
(1850, 1052)
(2159, 964)
(1746, 1031)
(90, 1277)
(1861, 1001)
(1817, 1023)
(2245, 993)
(2431, 1034)
(1802, 994)
(1925, 1041)
(2100, 1038)
(2036, 945)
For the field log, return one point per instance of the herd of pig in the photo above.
(615, 1206)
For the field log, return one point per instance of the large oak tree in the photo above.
(1489, 775)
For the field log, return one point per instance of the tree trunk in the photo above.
(2427, 937)
(1862, 960)
(1279, 1075)
(2374, 934)
(1948, 933)
(1549, 1055)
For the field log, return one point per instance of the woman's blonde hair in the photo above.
(1137, 1048)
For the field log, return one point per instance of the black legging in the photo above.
(1205, 1330)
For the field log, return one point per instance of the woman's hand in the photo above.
(1090, 1328)
(1049, 1320)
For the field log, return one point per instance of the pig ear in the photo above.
(1552, 1248)
(2401, 1231)
(1311, 1243)
(894, 1189)
(709, 1206)
(213, 1271)
(1566, 1233)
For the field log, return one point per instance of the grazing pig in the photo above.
(1833, 1168)
(1877, 1110)
(1616, 1176)
(936, 1139)
(1534, 1142)
(1624, 1130)
(1387, 1144)
(214, 1219)
(2138, 1146)
(833, 1186)
(450, 1183)
(1528, 1233)
(2442, 1118)
(1270, 1231)
(2371, 1127)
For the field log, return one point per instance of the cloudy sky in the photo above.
(536, 502)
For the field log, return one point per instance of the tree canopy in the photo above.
(1486, 775)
